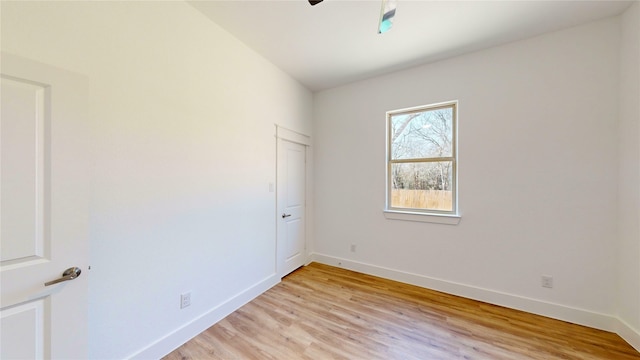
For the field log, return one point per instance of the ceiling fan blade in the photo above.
(313, 2)
(387, 13)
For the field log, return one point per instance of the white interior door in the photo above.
(291, 206)
(44, 182)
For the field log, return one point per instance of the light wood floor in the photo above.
(323, 312)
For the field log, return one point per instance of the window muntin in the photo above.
(421, 159)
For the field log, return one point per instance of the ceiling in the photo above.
(336, 41)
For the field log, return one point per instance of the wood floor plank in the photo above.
(324, 312)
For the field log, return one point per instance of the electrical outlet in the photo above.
(547, 281)
(353, 247)
(185, 300)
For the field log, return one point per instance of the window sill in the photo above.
(421, 217)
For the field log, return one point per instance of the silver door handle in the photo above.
(285, 215)
(69, 274)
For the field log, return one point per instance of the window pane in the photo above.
(422, 185)
(424, 134)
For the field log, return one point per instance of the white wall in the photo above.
(629, 178)
(183, 117)
(537, 175)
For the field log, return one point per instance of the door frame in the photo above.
(283, 133)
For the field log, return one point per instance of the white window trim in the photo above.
(447, 219)
(424, 216)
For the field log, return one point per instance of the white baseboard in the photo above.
(538, 307)
(176, 338)
(629, 334)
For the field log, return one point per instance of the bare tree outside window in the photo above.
(422, 159)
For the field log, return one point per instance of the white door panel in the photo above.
(22, 331)
(22, 139)
(44, 192)
(295, 232)
(291, 206)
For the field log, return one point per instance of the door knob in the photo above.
(69, 274)
(285, 215)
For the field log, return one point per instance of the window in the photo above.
(421, 160)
